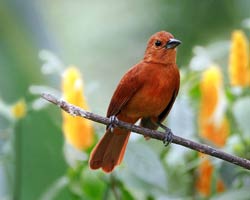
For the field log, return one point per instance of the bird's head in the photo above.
(161, 48)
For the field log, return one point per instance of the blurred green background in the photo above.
(103, 39)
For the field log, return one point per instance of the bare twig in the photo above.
(77, 111)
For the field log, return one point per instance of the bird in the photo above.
(146, 92)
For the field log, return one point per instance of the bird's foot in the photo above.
(168, 134)
(168, 138)
(112, 123)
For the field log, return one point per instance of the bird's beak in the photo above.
(172, 43)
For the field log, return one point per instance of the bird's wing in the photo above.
(128, 86)
(165, 112)
(151, 122)
(175, 91)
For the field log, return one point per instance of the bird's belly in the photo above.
(150, 101)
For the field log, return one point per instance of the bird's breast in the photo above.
(154, 95)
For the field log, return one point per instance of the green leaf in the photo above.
(194, 92)
(239, 194)
(144, 163)
(41, 153)
(125, 194)
(228, 173)
(182, 119)
(241, 110)
(90, 183)
(55, 189)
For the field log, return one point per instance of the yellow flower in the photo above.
(238, 60)
(213, 124)
(204, 178)
(216, 134)
(211, 85)
(77, 131)
(19, 109)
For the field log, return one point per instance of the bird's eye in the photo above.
(158, 43)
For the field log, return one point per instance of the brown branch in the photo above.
(77, 111)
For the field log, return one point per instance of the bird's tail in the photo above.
(110, 150)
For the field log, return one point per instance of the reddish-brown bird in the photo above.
(147, 92)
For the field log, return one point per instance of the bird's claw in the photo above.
(168, 136)
(112, 123)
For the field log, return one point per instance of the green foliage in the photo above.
(239, 194)
(149, 168)
(241, 110)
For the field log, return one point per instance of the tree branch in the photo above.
(77, 111)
